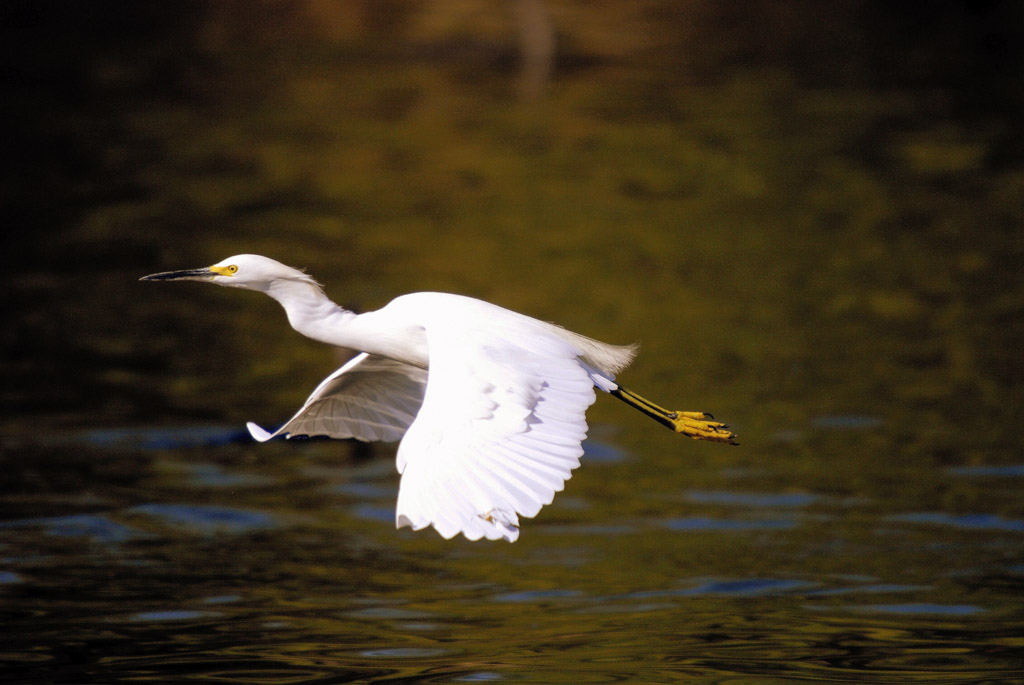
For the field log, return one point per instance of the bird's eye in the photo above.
(232, 269)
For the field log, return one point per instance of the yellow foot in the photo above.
(696, 424)
(701, 426)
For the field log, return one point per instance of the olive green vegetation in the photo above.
(782, 250)
(731, 229)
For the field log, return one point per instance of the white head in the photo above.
(249, 271)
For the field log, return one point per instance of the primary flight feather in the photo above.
(490, 405)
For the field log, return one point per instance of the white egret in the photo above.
(489, 404)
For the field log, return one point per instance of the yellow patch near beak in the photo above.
(224, 270)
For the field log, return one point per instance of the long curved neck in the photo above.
(312, 313)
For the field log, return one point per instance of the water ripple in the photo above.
(480, 677)
(372, 512)
(744, 587)
(364, 490)
(386, 613)
(917, 609)
(213, 476)
(170, 615)
(877, 588)
(747, 587)
(402, 653)
(846, 421)
(601, 453)
(752, 499)
(971, 521)
(9, 577)
(209, 519)
(529, 596)
(163, 438)
(96, 527)
(704, 524)
(1011, 470)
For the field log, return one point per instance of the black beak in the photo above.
(204, 274)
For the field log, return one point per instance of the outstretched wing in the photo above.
(499, 433)
(369, 398)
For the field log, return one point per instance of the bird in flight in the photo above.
(489, 404)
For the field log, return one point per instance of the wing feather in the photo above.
(369, 398)
(498, 433)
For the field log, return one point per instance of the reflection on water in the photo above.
(812, 226)
(986, 521)
(1011, 470)
(159, 438)
(95, 527)
(207, 520)
(914, 609)
(255, 585)
(699, 523)
(753, 499)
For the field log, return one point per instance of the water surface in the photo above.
(814, 233)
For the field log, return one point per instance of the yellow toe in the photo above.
(697, 425)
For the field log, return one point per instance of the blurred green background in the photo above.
(798, 208)
(808, 213)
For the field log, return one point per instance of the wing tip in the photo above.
(258, 434)
(492, 528)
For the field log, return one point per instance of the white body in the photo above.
(489, 404)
